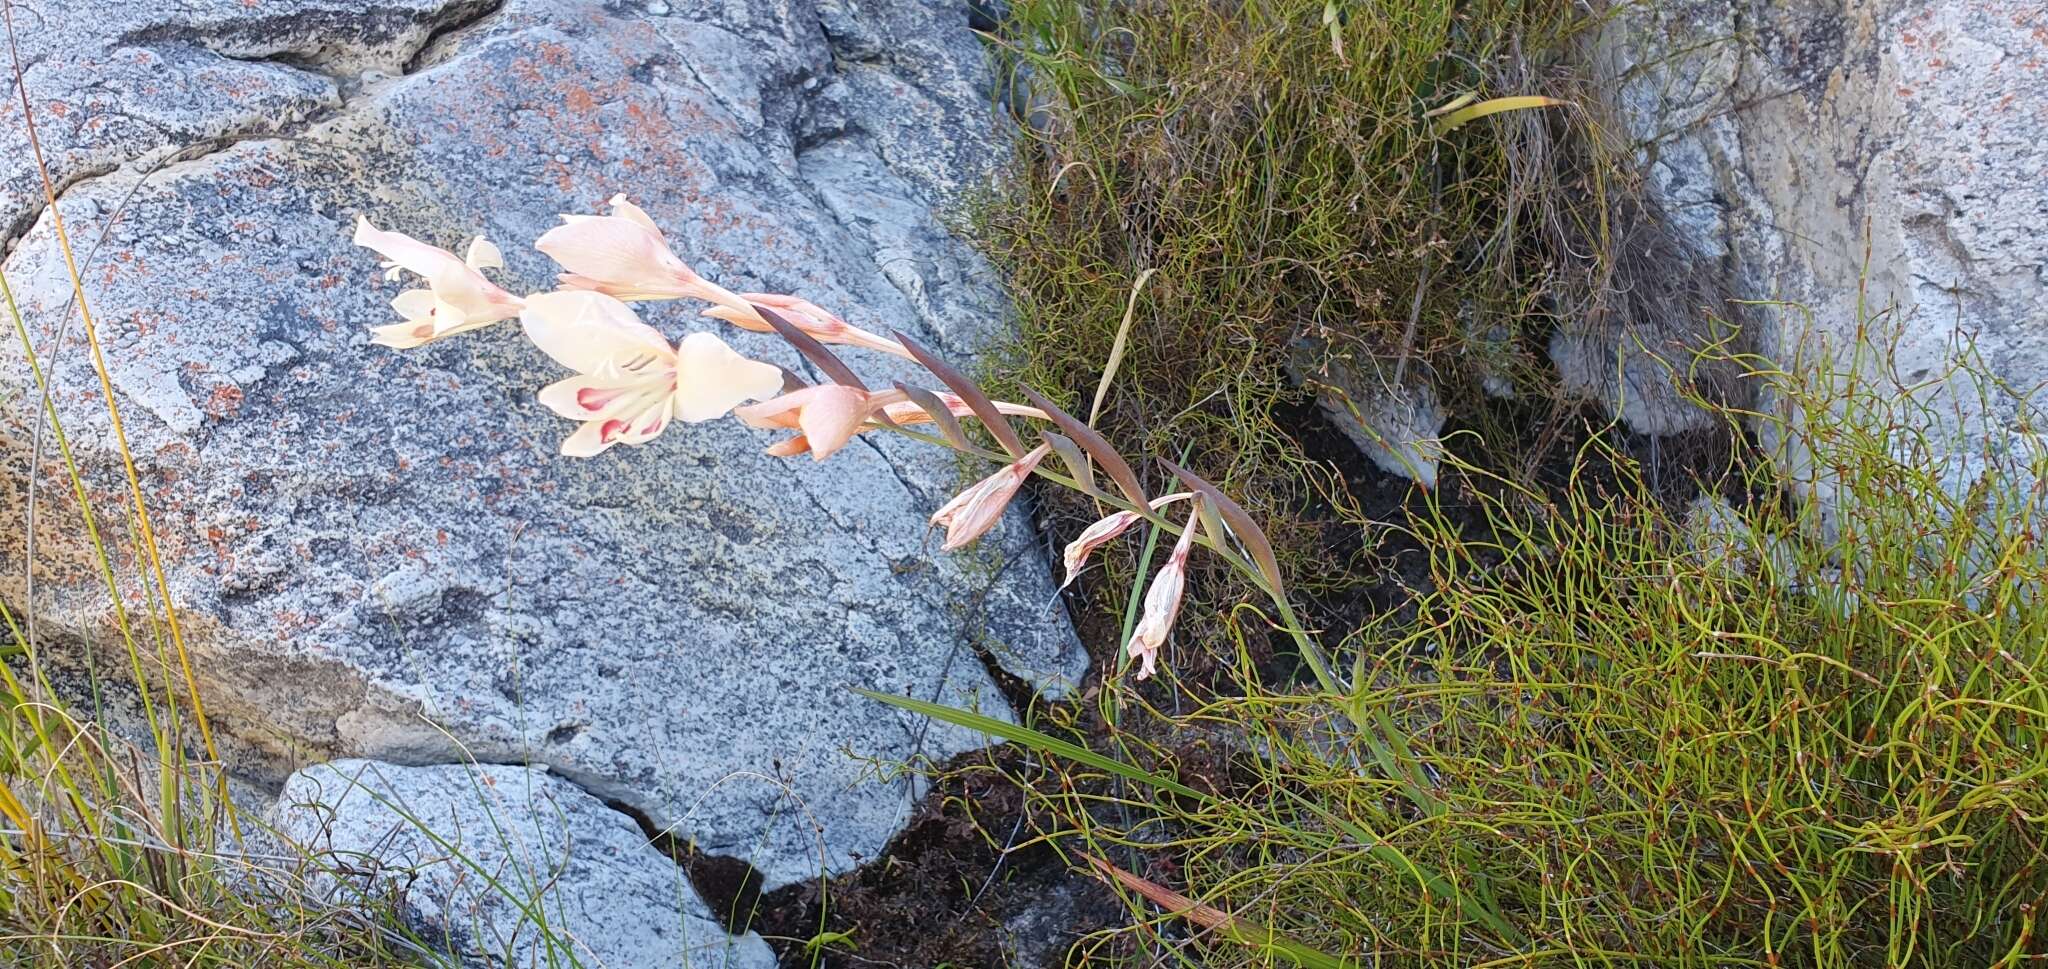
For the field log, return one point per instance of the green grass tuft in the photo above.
(1275, 171)
(1755, 736)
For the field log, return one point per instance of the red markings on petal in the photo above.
(594, 399)
(610, 430)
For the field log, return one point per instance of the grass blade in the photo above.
(1473, 112)
(1118, 346)
(1431, 881)
(1019, 733)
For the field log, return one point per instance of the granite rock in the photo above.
(502, 866)
(379, 553)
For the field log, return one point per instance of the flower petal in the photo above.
(585, 331)
(415, 304)
(712, 379)
(483, 255)
(618, 255)
(1093, 537)
(403, 250)
(779, 412)
(1162, 601)
(403, 336)
(789, 447)
(832, 418)
(627, 210)
(586, 397)
(973, 512)
(589, 440)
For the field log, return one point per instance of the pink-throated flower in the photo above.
(457, 297)
(826, 416)
(973, 512)
(629, 381)
(809, 317)
(1162, 601)
(1105, 530)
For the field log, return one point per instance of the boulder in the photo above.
(502, 866)
(1874, 165)
(379, 553)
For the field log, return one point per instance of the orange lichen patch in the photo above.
(225, 400)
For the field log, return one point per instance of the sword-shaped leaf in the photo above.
(977, 401)
(1036, 740)
(1240, 522)
(1113, 464)
(1077, 463)
(941, 414)
(812, 350)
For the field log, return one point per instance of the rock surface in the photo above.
(521, 868)
(1831, 152)
(379, 553)
(1398, 426)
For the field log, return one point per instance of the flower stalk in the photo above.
(631, 383)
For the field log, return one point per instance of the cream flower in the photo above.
(457, 297)
(624, 255)
(630, 383)
(809, 317)
(827, 417)
(1162, 601)
(973, 512)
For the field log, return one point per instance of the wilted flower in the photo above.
(809, 317)
(1106, 530)
(630, 383)
(624, 255)
(827, 415)
(973, 512)
(457, 297)
(1162, 601)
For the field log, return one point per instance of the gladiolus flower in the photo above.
(1105, 530)
(809, 317)
(1162, 601)
(893, 404)
(828, 415)
(457, 297)
(624, 255)
(973, 512)
(630, 383)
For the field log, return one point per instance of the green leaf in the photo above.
(1035, 740)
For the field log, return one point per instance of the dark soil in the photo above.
(961, 886)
